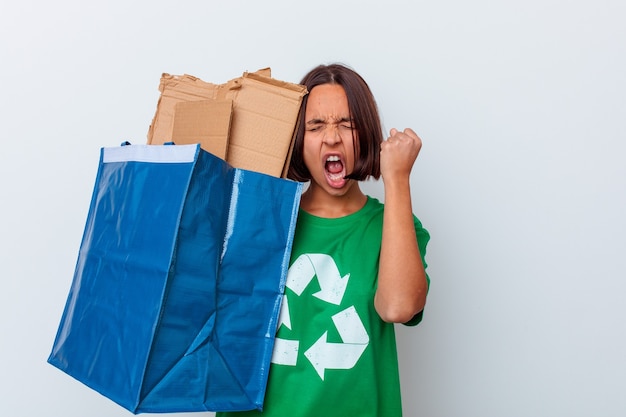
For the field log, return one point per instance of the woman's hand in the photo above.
(398, 154)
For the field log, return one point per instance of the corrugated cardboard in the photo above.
(206, 122)
(263, 120)
(177, 88)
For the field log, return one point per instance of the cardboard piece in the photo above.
(262, 124)
(206, 122)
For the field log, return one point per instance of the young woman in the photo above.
(357, 266)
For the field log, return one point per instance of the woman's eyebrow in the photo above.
(325, 121)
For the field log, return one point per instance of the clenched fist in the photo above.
(398, 154)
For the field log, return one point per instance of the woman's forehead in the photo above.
(328, 103)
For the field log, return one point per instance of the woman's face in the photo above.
(329, 139)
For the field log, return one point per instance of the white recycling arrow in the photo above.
(307, 266)
(285, 352)
(301, 273)
(324, 355)
(284, 317)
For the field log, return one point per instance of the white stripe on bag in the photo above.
(151, 153)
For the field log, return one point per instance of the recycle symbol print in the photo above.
(322, 355)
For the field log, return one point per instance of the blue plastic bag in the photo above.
(179, 279)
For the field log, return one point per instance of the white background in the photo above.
(521, 181)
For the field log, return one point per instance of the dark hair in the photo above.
(363, 112)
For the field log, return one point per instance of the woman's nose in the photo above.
(332, 135)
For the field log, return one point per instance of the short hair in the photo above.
(363, 112)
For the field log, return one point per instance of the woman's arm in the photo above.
(402, 285)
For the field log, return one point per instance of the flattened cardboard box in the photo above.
(177, 88)
(206, 122)
(261, 125)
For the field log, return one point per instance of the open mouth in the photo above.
(335, 171)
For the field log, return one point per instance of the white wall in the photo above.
(521, 180)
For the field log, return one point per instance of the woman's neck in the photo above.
(319, 203)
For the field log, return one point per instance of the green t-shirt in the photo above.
(333, 355)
